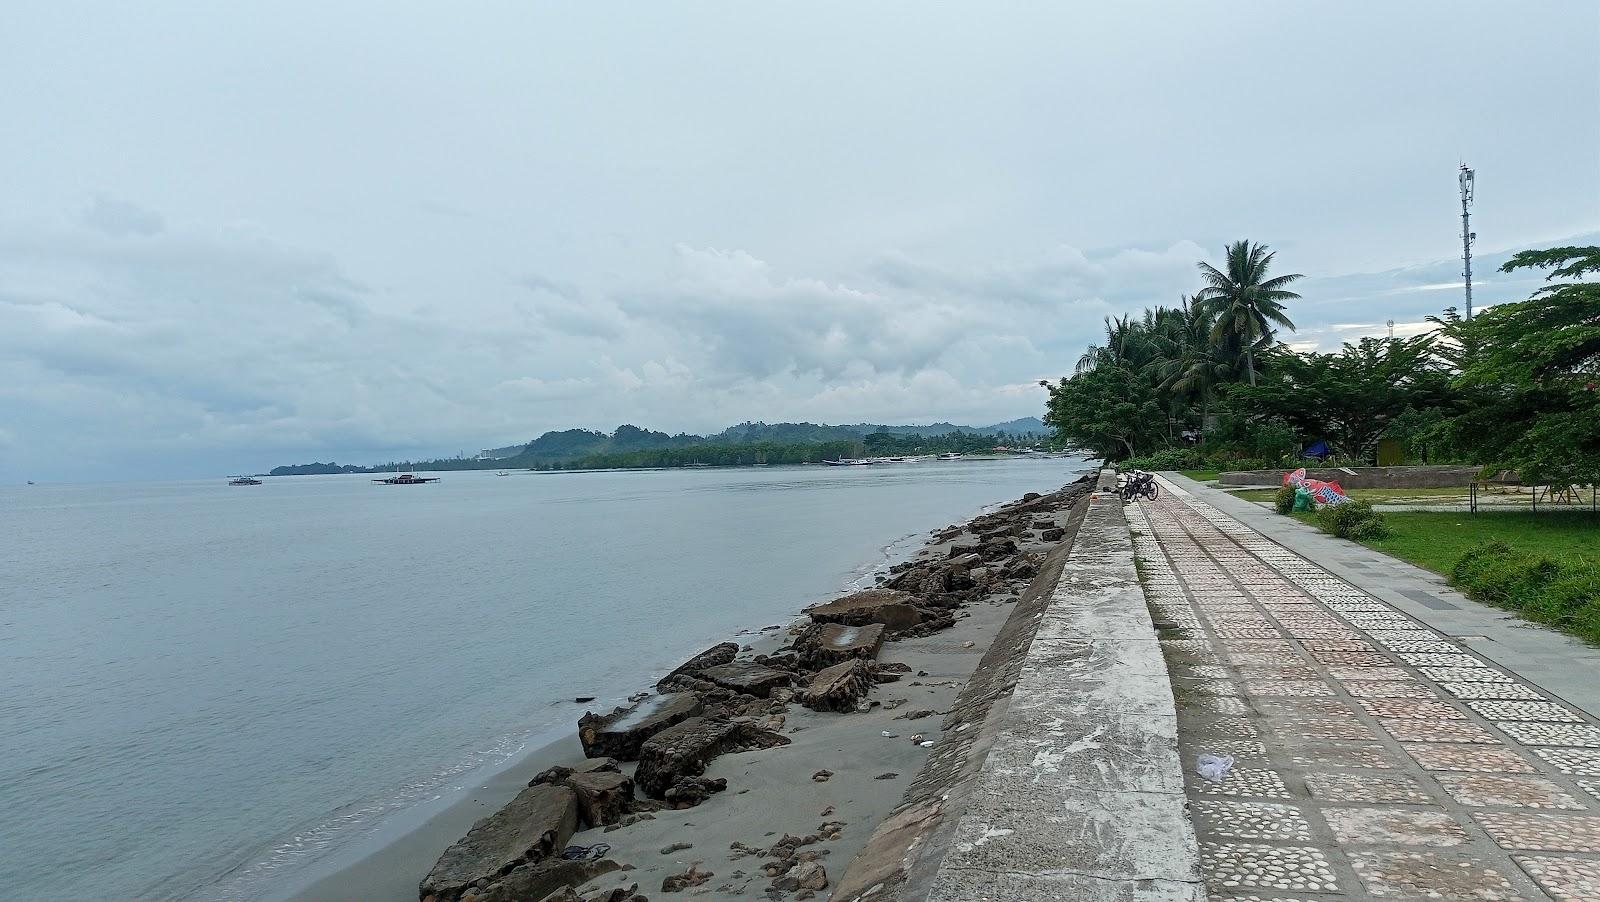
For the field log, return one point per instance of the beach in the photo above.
(826, 787)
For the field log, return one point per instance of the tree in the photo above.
(1109, 411)
(1349, 398)
(1535, 375)
(1244, 302)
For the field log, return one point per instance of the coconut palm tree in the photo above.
(1243, 301)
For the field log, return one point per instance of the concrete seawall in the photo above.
(1078, 793)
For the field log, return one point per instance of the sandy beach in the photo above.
(871, 755)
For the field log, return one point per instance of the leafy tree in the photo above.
(1536, 375)
(1349, 398)
(1109, 411)
(1244, 303)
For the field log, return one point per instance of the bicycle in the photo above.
(1137, 484)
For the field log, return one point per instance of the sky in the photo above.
(242, 235)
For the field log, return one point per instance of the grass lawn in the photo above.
(1378, 496)
(1438, 540)
(1201, 475)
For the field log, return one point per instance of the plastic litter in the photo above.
(586, 853)
(1214, 767)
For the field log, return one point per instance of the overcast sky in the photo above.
(239, 235)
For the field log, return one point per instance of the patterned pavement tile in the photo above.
(1316, 645)
(1366, 788)
(1388, 689)
(1303, 707)
(1563, 877)
(1224, 726)
(1369, 673)
(1425, 645)
(1226, 705)
(1186, 644)
(1218, 819)
(1277, 672)
(1393, 826)
(1428, 659)
(1204, 687)
(1520, 710)
(1492, 690)
(1465, 675)
(1353, 658)
(1201, 671)
(1255, 782)
(1257, 866)
(1582, 762)
(1506, 791)
(1352, 755)
(1536, 733)
(1240, 749)
(1266, 659)
(1469, 758)
(1300, 688)
(1410, 707)
(1431, 875)
(1321, 728)
(1407, 730)
(1539, 831)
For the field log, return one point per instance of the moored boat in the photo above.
(244, 480)
(406, 479)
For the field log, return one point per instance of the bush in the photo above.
(1284, 499)
(1564, 594)
(1354, 520)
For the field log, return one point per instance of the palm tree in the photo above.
(1243, 301)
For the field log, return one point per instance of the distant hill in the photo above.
(567, 445)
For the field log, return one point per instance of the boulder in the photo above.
(840, 687)
(603, 796)
(826, 644)
(621, 733)
(541, 880)
(886, 606)
(688, 792)
(997, 548)
(535, 826)
(1053, 534)
(747, 677)
(717, 654)
(960, 548)
(686, 749)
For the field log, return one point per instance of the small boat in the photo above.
(949, 455)
(244, 480)
(848, 462)
(406, 479)
(502, 473)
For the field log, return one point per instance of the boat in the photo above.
(503, 473)
(244, 480)
(848, 462)
(949, 455)
(406, 479)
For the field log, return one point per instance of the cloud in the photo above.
(119, 218)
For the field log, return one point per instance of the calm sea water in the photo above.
(204, 688)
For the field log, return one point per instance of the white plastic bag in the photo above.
(1214, 767)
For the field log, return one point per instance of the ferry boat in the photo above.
(949, 455)
(406, 479)
(244, 480)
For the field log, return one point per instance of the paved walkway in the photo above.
(1374, 757)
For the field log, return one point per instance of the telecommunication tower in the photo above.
(1467, 235)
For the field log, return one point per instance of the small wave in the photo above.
(264, 872)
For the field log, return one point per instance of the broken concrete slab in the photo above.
(889, 607)
(840, 687)
(748, 677)
(620, 733)
(533, 827)
(686, 749)
(603, 796)
(721, 653)
(826, 644)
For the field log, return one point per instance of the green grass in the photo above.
(1201, 475)
(1378, 496)
(1436, 541)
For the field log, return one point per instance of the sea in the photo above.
(207, 689)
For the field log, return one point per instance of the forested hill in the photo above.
(744, 443)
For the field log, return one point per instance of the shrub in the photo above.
(1284, 499)
(1354, 520)
(1562, 593)
(1170, 459)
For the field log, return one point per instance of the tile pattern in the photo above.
(1375, 757)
